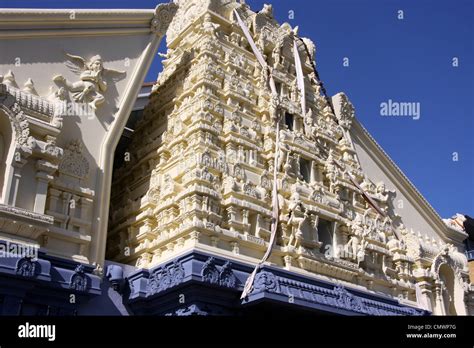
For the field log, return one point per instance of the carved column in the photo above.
(232, 214)
(336, 240)
(86, 204)
(43, 178)
(439, 302)
(53, 199)
(314, 172)
(14, 180)
(314, 227)
(425, 288)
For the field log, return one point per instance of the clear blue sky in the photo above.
(407, 60)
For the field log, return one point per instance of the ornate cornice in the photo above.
(28, 23)
(29, 101)
(20, 212)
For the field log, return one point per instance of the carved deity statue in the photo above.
(308, 124)
(267, 10)
(92, 84)
(381, 193)
(297, 217)
(331, 171)
(296, 224)
(283, 152)
(352, 247)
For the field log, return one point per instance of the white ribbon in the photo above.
(255, 50)
(300, 83)
(249, 283)
(299, 78)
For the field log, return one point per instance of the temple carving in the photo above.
(233, 179)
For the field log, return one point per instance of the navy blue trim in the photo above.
(220, 283)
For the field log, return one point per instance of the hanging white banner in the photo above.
(256, 52)
(250, 40)
(249, 283)
(299, 78)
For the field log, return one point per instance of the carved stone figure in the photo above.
(92, 84)
(296, 224)
(308, 124)
(274, 107)
(311, 47)
(352, 247)
(209, 27)
(267, 10)
(283, 152)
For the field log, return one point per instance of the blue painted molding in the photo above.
(206, 284)
(43, 284)
(220, 282)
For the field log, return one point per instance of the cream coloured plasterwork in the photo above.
(64, 201)
(202, 154)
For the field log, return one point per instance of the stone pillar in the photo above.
(43, 177)
(314, 227)
(86, 204)
(426, 294)
(336, 240)
(439, 302)
(13, 182)
(53, 199)
(319, 173)
(232, 214)
(314, 172)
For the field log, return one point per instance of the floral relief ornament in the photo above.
(164, 13)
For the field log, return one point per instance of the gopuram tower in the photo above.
(193, 204)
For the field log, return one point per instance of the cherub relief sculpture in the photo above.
(92, 84)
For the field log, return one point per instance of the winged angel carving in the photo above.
(92, 85)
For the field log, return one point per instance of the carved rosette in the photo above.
(266, 281)
(78, 280)
(73, 162)
(345, 299)
(164, 13)
(26, 267)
